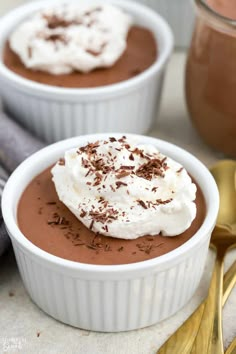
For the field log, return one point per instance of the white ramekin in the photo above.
(179, 14)
(109, 298)
(55, 113)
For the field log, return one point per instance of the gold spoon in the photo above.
(202, 332)
(181, 341)
(224, 173)
(232, 348)
(222, 239)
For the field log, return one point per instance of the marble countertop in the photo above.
(25, 329)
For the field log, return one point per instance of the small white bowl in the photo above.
(110, 298)
(55, 113)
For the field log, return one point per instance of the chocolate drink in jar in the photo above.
(211, 74)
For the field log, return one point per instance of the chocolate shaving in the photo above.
(52, 222)
(54, 37)
(131, 157)
(180, 170)
(59, 220)
(147, 248)
(91, 225)
(122, 140)
(127, 167)
(112, 188)
(40, 211)
(141, 202)
(112, 139)
(104, 216)
(160, 244)
(85, 163)
(163, 160)
(153, 168)
(92, 247)
(105, 228)
(93, 52)
(54, 21)
(107, 247)
(122, 174)
(150, 238)
(61, 161)
(83, 213)
(79, 244)
(160, 201)
(119, 184)
(89, 171)
(139, 152)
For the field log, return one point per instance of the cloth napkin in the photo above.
(15, 145)
(4, 239)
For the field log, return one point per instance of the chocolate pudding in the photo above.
(50, 225)
(211, 76)
(140, 54)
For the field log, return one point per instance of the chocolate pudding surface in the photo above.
(50, 225)
(140, 54)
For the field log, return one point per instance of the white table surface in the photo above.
(25, 329)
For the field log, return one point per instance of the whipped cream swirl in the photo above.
(120, 189)
(72, 37)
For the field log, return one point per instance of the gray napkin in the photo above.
(4, 239)
(15, 145)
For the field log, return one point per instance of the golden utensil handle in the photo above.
(216, 337)
(204, 331)
(182, 340)
(229, 282)
(210, 341)
(232, 348)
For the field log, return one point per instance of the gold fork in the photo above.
(232, 348)
(182, 340)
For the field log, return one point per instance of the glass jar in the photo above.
(211, 74)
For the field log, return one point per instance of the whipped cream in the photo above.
(69, 37)
(120, 189)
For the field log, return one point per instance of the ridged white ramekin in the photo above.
(179, 14)
(55, 113)
(109, 298)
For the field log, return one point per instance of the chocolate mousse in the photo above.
(50, 225)
(211, 76)
(137, 55)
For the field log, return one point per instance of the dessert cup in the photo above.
(55, 113)
(110, 298)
